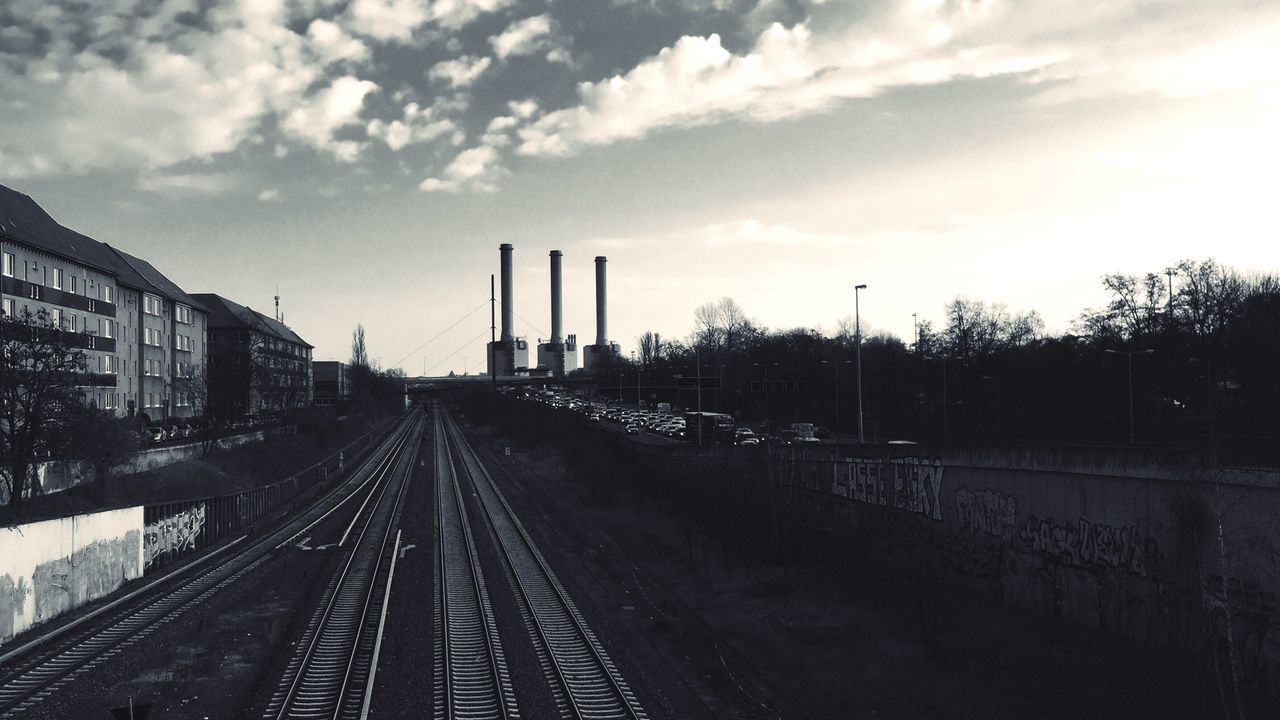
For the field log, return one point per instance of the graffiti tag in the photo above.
(987, 511)
(174, 533)
(1087, 544)
(912, 484)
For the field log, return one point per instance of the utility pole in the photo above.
(1169, 272)
(915, 325)
(697, 370)
(1129, 355)
(493, 338)
(857, 332)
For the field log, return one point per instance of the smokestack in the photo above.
(556, 337)
(508, 311)
(602, 334)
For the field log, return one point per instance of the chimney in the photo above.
(602, 334)
(556, 308)
(508, 311)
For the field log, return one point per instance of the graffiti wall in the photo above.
(174, 534)
(50, 567)
(1158, 548)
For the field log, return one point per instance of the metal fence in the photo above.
(177, 529)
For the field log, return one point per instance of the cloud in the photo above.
(529, 36)
(115, 89)
(386, 20)
(460, 71)
(811, 66)
(269, 195)
(332, 44)
(419, 125)
(187, 184)
(321, 115)
(477, 169)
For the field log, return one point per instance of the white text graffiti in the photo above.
(913, 484)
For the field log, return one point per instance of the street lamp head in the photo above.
(860, 287)
(1113, 352)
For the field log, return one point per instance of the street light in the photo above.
(857, 332)
(1129, 355)
(836, 364)
(944, 394)
(766, 388)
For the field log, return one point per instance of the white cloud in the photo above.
(455, 14)
(129, 99)
(808, 67)
(386, 20)
(186, 184)
(418, 125)
(269, 195)
(321, 115)
(478, 169)
(460, 71)
(529, 36)
(331, 43)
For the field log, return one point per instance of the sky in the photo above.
(367, 157)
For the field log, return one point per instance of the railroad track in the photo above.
(586, 684)
(29, 676)
(329, 674)
(472, 680)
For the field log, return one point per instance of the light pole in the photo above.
(836, 364)
(944, 394)
(1129, 355)
(857, 333)
(766, 390)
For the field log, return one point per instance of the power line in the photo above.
(464, 346)
(526, 322)
(433, 337)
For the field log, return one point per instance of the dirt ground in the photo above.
(830, 636)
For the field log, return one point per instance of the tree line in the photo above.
(986, 373)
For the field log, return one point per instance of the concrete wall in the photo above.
(49, 567)
(1151, 545)
(57, 475)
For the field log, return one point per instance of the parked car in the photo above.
(156, 434)
(633, 429)
(186, 430)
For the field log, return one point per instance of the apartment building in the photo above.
(332, 382)
(257, 364)
(141, 334)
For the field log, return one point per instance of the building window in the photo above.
(184, 314)
(56, 316)
(106, 328)
(150, 304)
(73, 284)
(8, 264)
(71, 322)
(108, 364)
(151, 336)
(108, 293)
(57, 278)
(7, 309)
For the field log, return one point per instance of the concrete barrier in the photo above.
(52, 566)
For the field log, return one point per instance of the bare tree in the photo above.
(649, 347)
(359, 353)
(192, 386)
(723, 329)
(976, 329)
(40, 367)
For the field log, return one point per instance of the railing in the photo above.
(177, 529)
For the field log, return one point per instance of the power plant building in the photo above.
(508, 353)
(558, 355)
(602, 352)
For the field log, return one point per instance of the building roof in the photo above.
(224, 313)
(142, 275)
(23, 220)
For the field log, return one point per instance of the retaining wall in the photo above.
(1153, 545)
(49, 567)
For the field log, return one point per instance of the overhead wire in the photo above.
(442, 332)
(462, 347)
